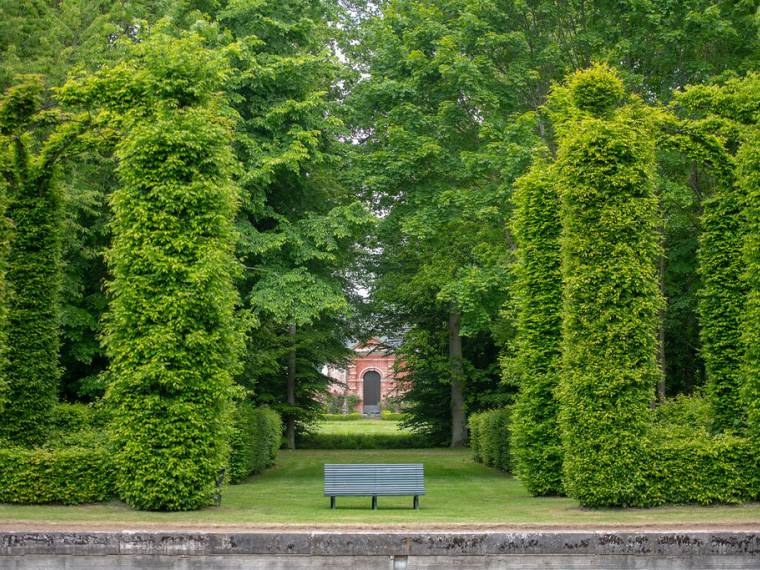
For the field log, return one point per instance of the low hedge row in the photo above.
(364, 441)
(489, 438)
(352, 417)
(703, 470)
(255, 439)
(67, 476)
(356, 416)
(392, 416)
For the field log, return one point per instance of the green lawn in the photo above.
(459, 492)
(368, 427)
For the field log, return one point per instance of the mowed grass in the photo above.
(369, 427)
(458, 492)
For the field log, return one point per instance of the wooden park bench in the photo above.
(374, 480)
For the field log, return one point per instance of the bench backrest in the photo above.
(374, 479)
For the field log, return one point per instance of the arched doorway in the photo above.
(371, 382)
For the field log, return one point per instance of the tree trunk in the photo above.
(290, 429)
(458, 434)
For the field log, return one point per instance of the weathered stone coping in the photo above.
(380, 543)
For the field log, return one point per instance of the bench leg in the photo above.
(416, 503)
(374, 503)
(332, 502)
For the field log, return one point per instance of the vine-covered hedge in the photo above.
(490, 437)
(255, 439)
(67, 476)
(609, 247)
(536, 443)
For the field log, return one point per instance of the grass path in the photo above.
(459, 492)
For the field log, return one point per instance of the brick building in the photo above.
(370, 376)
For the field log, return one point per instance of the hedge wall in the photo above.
(66, 476)
(699, 469)
(352, 417)
(536, 443)
(364, 441)
(255, 439)
(489, 438)
(609, 249)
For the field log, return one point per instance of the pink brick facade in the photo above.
(370, 358)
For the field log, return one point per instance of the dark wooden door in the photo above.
(371, 389)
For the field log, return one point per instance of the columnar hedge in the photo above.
(489, 438)
(748, 160)
(256, 437)
(4, 242)
(171, 332)
(609, 249)
(536, 444)
(33, 272)
(721, 303)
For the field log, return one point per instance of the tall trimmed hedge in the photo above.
(748, 160)
(171, 332)
(256, 437)
(609, 249)
(721, 303)
(33, 271)
(4, 243)
(490, 437)
(536, 443)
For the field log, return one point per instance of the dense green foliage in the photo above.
(52, 39)
(609, 247)
(721, 302)
(423, 361)
(66, 476)
(490, 438)
(536, 445)
(626, 258)
(171, 335)
(435, 160)
(699, 469)
(685, 464)
(5, 231)
(255, 439)
(298, 222)
(749, 182)
(33, 263)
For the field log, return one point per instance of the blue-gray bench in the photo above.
(374, 480)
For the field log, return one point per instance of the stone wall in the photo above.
(381, 550)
